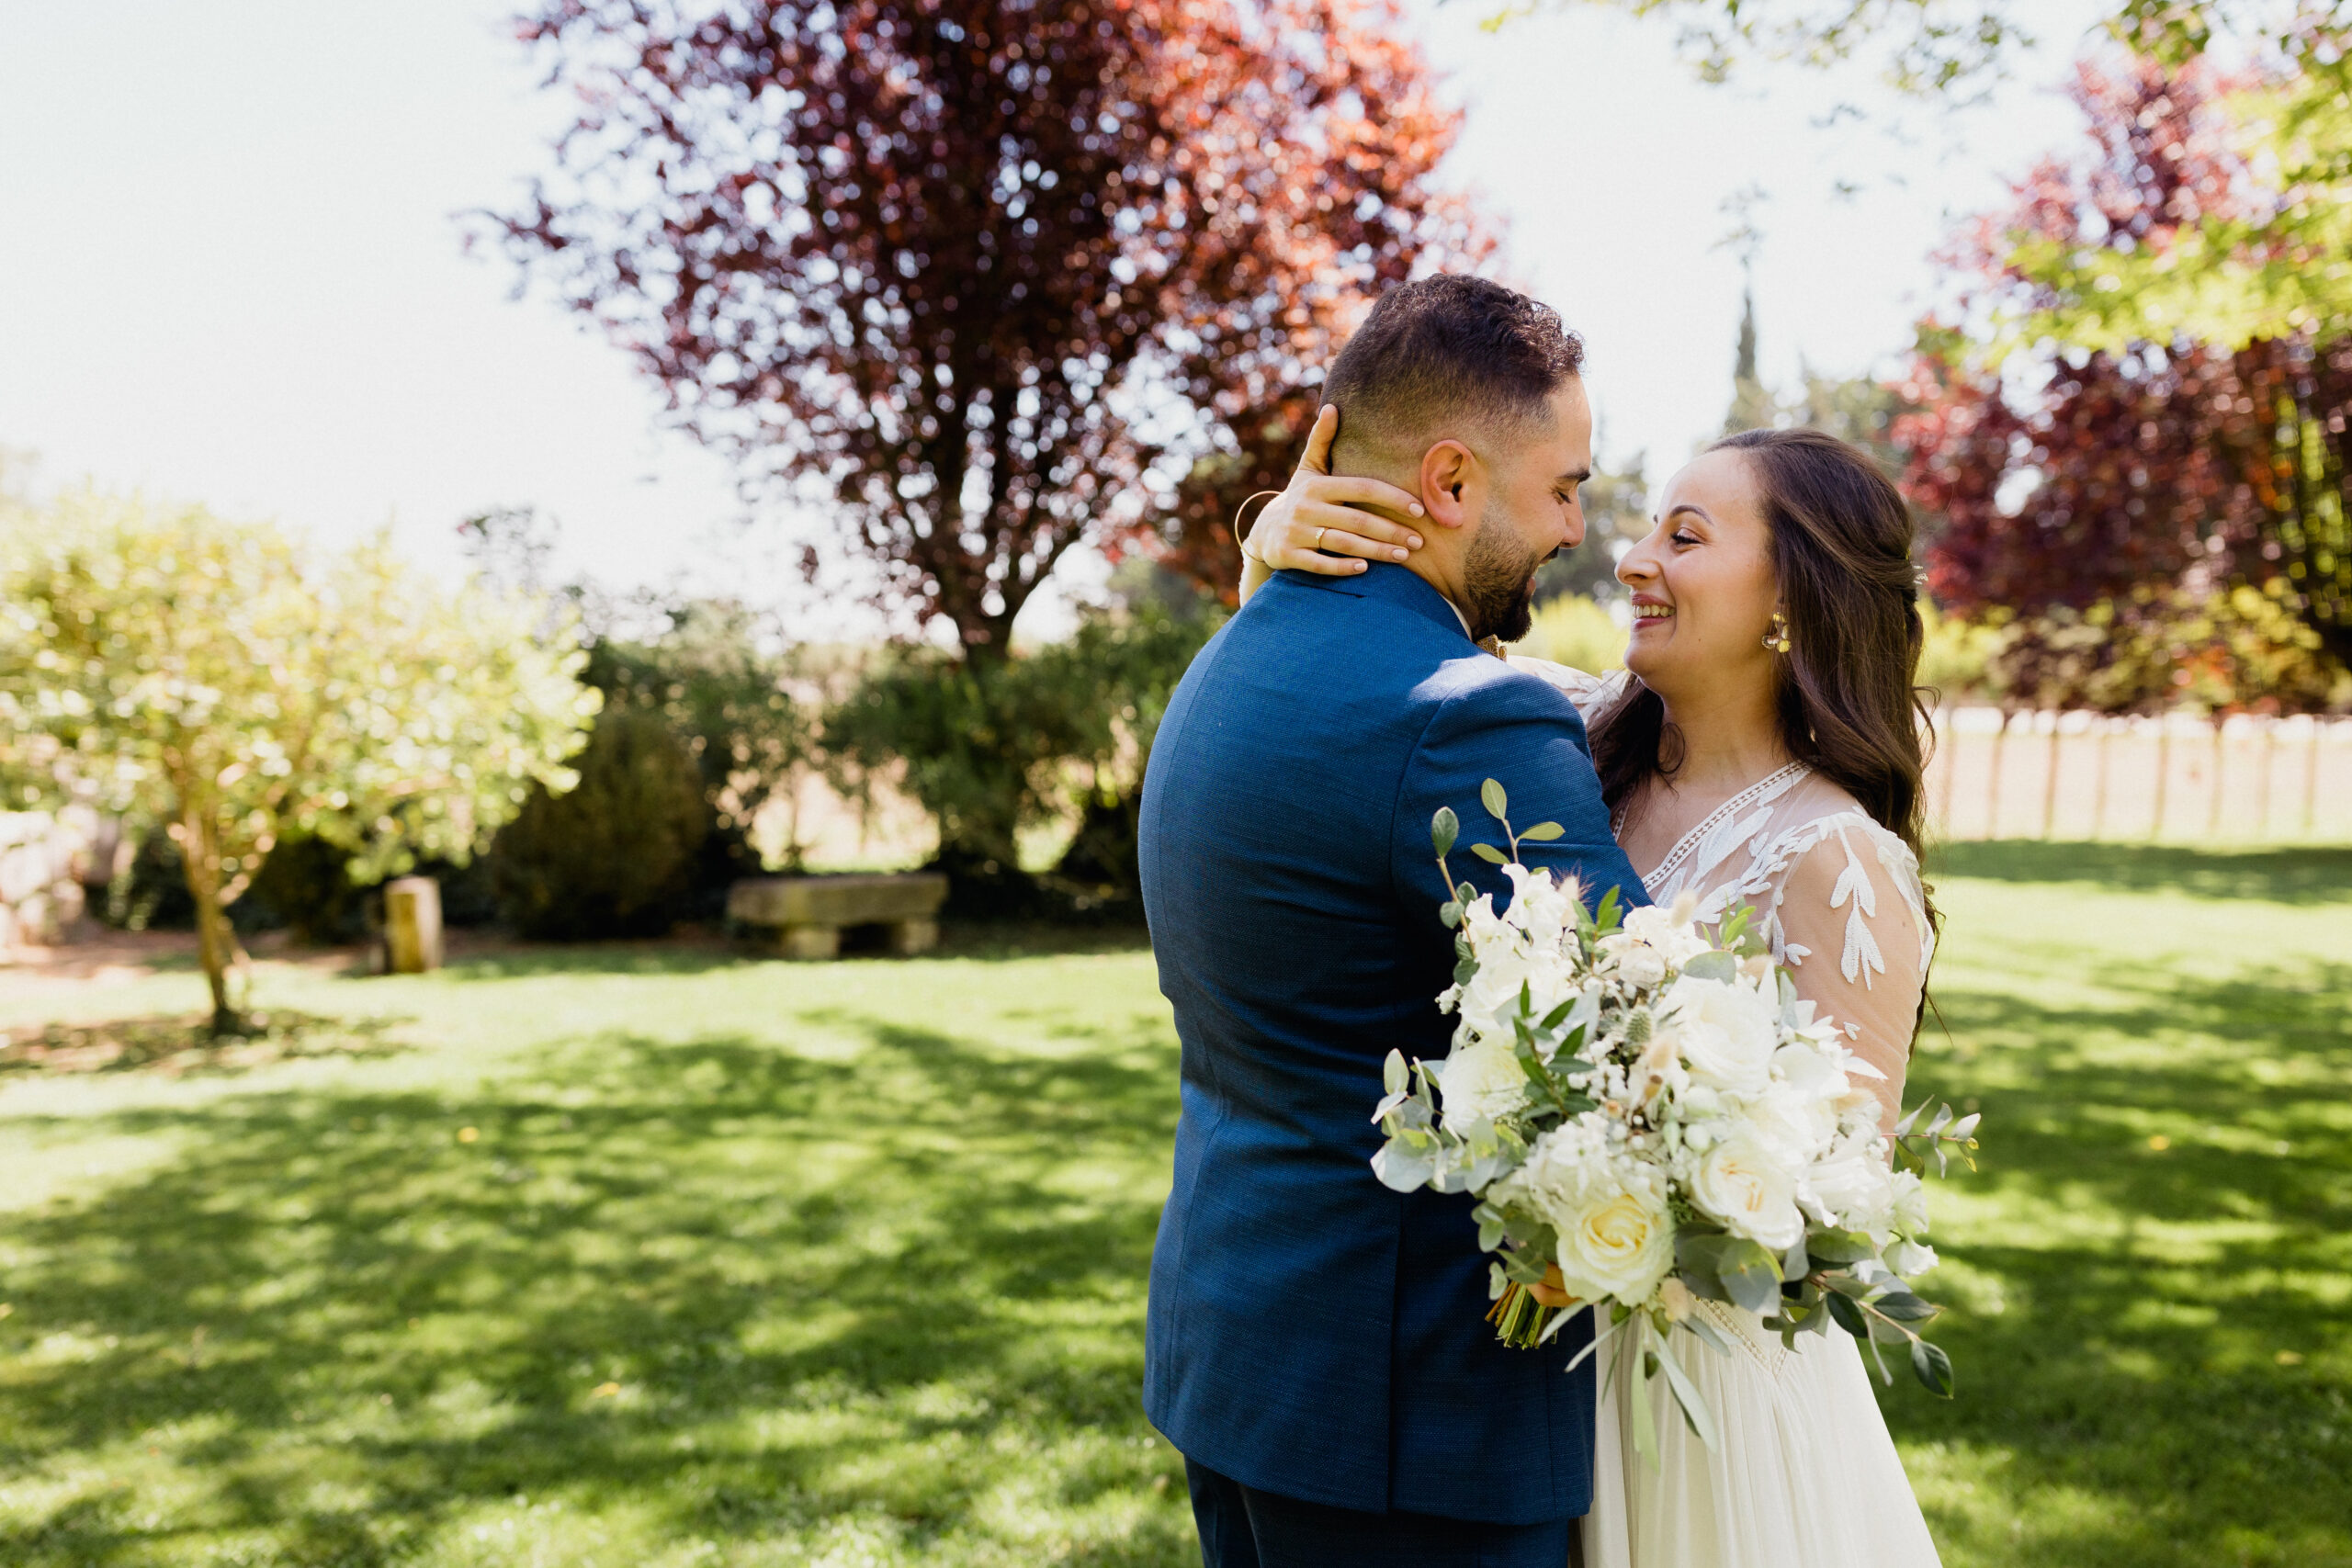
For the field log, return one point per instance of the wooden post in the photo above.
(2049, 783)
(1992, 779)
(2270, 755)
(2105, 725)
(2213, 814)
(411, 925)
(2311, 778)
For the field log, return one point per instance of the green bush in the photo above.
(613, 857)
(991, 747)
(731, 704)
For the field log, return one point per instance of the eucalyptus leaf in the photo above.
(1850, 1316)
(1751, 1274)
(1544, 832)
(1491, 855)
(1713, 967)
(1444, 828)
(1449, 914)
(1401, 1169)
(1496, 803)
(1394, 1075)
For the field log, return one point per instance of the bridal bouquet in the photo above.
(1656, 1113)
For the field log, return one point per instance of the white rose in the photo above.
(1749, 1189)
(1480, 1080)
(1617, 1244)
(1616, 1232)
(1853, 1185)
(1728, 1032)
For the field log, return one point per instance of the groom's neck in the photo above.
(1439, 561)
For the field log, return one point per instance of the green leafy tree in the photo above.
(215, 677)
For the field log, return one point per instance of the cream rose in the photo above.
(1728, 1029)
(1616, 1234)
(1618, 1243)
(1747, 1187)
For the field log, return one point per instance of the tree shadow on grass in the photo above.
(986, 940)
(2300, 876)
(808, 1290)
(2164, 1206)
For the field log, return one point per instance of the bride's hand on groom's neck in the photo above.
(1332, 524)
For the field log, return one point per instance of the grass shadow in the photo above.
(2152, 1335)
(738, 1289)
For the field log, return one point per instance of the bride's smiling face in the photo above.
(1703, 582)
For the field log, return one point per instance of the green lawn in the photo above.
(754, 1263)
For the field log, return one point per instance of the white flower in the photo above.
(1480, 1080)
(1728, 1029)
(1852, 1185)
(1910, 1202)
(1636, 963)
(1542, 907)
(1812, 1072)
(1670, 931)
(1794, 1127)
(1616, 1234)
(1748, 1188)
(1911, 1259)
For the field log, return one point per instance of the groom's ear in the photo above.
(1449, 475)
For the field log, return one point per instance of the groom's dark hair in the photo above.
(1446, 350)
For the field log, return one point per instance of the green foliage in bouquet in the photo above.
(1579, 1097)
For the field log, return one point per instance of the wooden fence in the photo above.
(2179, 780)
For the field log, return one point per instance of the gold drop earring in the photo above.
(1776, 637)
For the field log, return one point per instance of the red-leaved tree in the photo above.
(2138, 482)
(982, 276)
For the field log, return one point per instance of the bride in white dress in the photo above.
(1761, 750)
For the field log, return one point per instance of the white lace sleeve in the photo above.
(1850, 920)
(1587, 691)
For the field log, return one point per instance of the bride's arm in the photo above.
(1852, 916)
(1326, 525)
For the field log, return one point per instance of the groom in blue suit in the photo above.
(1315, 1345)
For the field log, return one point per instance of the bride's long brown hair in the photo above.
(1849, 706)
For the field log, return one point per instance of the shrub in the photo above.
(613, 856)
(1571, 629)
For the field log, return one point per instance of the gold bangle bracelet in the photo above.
(1241, 529)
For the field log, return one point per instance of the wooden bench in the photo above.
(809, 914)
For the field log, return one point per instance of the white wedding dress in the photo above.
(1805, 1474)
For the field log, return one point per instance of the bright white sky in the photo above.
(231, 269)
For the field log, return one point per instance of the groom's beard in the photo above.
(1499, 582)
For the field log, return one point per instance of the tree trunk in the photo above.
(216, 939)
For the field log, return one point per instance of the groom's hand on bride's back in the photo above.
(1325, 523)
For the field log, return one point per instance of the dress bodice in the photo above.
(1839, 897)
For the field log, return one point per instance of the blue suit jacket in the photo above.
(1312, 1333)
